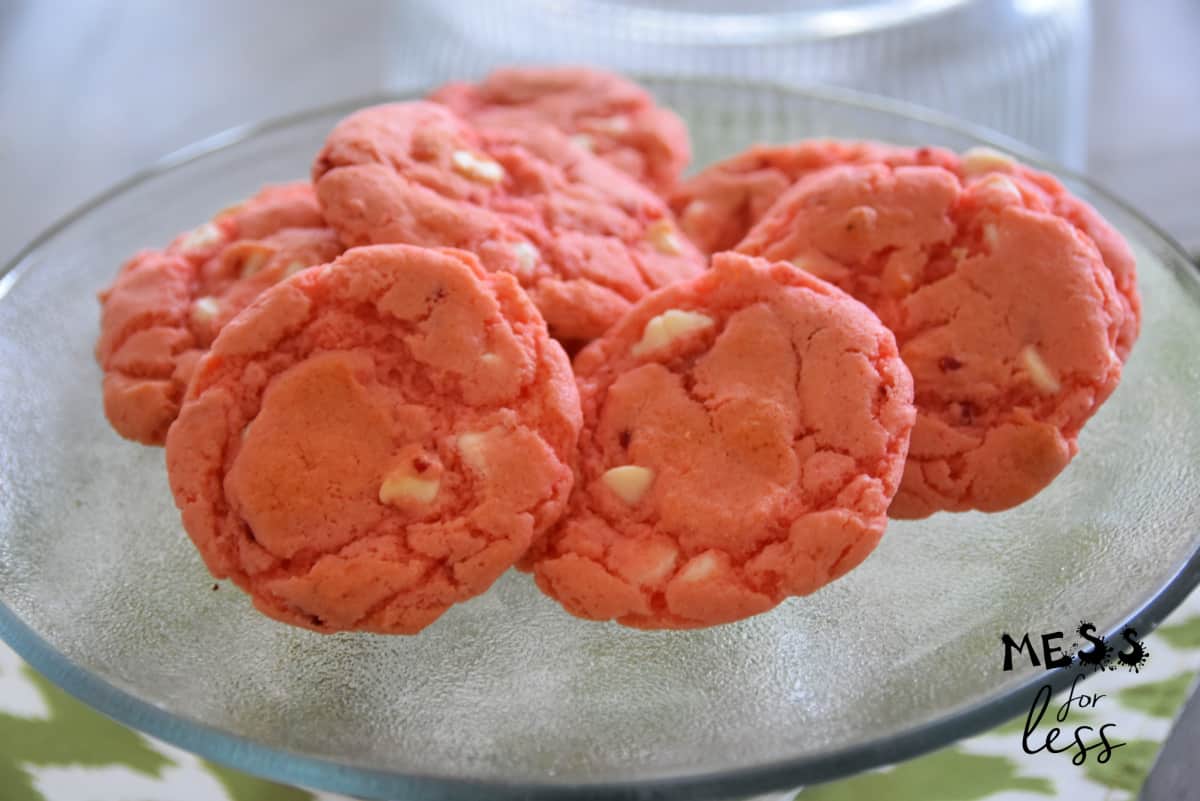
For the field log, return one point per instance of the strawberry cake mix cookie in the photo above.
(744, 433)
(165, 307)
(375, 440)
(604, 113)
(718, 207)
(582, 238)
(1046, 194)
(1004, 311)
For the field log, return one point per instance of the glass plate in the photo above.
(507, 695)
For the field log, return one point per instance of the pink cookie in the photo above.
(743, 435)
(1047, 194)
(375, 439)
(1004, 312)
(165, 307)
(719, 206)
(604, 113)
(583, 239)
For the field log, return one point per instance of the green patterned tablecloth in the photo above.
(53, 748)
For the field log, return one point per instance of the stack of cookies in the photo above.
(369, 411)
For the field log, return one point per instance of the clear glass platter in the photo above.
(507, 696)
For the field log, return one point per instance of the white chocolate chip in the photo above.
(983, 159)
(294, 267)
(202, 237)
(861, 217)
(527, 255)
(999, 189)
(662, 235)
(628, 482)
(658, 570)
(401, 486)
(616, 124)
(1039, 372)
(205, 309)
(693, 211)
(698, 568)
(470, 445)
(489, 358)
(254, 262)
(655, 562)
(991, 236)
(477, 168)
(584, 142)
(669, 326)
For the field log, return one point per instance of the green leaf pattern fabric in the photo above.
(53, 748)
(993, 765)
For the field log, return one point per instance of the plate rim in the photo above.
(290, 767)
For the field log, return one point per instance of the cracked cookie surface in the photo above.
(718, 207)
(165, 307)
(603, 113)
(584, 240)
(743, 435)
(1005, 313)
(375, 440)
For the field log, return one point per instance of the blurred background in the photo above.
(91, 91)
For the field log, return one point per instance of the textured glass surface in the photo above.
(105, 594)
